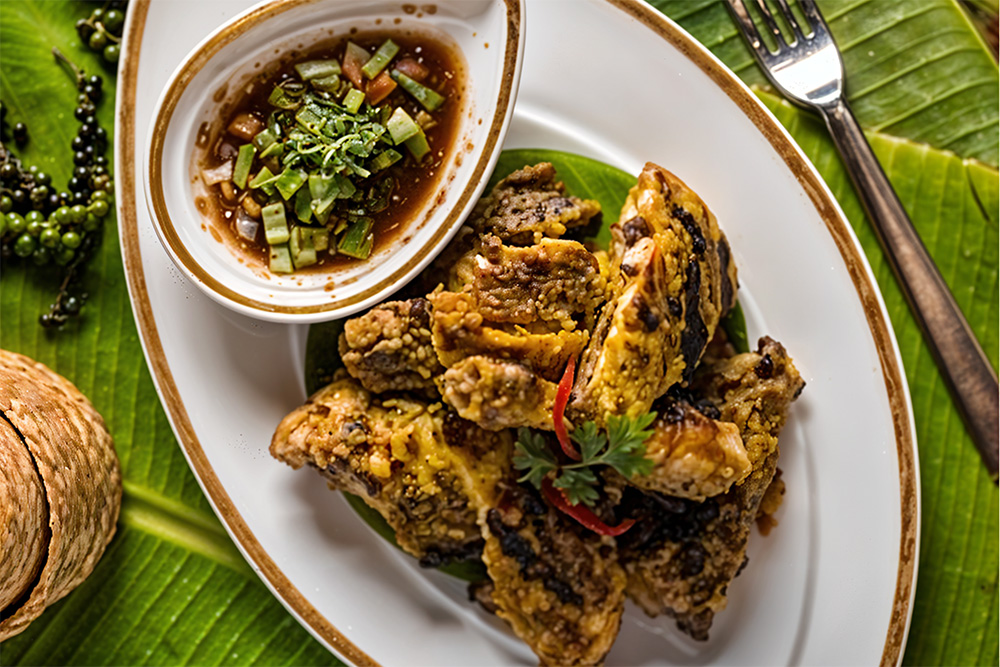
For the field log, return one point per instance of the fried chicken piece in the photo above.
(633, 347)
(665, 304)
(684, 228)
(522, 209)
(694, 456)
(529, 205)
(424, 469)
(550, 281)
(753, 390)
(682, 555)
(389, 347)
(459, 331)
(558, 585)
(498, 394)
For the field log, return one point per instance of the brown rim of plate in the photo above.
(868, 293)
(230, 32)
(783, 146)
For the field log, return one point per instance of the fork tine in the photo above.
(772, 25)
(811, 11)
(790, 17)
(746, 25)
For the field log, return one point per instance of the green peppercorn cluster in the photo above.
(102, 30)
(46, 226)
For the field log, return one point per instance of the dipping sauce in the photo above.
(328, 153)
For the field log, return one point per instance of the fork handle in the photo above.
(968, 372)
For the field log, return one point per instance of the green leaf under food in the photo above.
(171, 587)
(322, 356)
(735, 326)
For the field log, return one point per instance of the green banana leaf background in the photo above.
(172, 588)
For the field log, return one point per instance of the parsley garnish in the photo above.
(620, 446)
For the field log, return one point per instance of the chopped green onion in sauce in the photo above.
(333, 150)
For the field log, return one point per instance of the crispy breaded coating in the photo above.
(552, 281)
(664, 304)
(424, 469)
(508, 305)
(694, 456)
(389, 347)
(682, 555)
(459, 331)
(498, 394)
(558, 586)
(632, 350)
(754, 391)
(530, 205)
(684, 228)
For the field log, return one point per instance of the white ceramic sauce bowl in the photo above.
(489, 36)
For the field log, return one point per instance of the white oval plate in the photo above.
(614, 80)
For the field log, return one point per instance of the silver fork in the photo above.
(810, 72)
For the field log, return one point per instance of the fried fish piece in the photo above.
(681, 555)
(498, 394)
(389, 347)
(553, 281)
(694, 456)
(754, 391)
(459, 331)
(671, 281)
(530, 205)
(559, 586)
(424, 469)
(694, 249)
(631, 352)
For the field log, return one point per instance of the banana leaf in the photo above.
(916, 69)
(173, 589)
(924, 84)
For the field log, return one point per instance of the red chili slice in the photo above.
(582, 513)
(559, 407)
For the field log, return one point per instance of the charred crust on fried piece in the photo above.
(658, 557)
(558, 585)
(555, 281)
(695, 334)
(389, 347)
(422, 429)
(635, 229)
(529, 205)
(728, 289)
